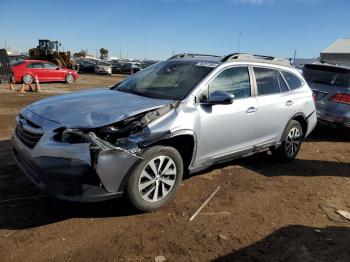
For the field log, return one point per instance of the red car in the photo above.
(25, 72)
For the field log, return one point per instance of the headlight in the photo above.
(72, 136)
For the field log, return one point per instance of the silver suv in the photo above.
(184, 114)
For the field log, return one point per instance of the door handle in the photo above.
(251, 109)
(289, 103)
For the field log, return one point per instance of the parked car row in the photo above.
(112, 66)
(26, 71)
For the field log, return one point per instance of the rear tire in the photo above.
(155, 180)
(70, 79)
(27, 79)
(291, 142)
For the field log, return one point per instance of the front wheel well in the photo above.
(184, 144)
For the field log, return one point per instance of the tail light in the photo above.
(314, 97)
(341, 98)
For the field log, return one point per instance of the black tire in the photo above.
(70, 79)
(291, 142)
(27, 79)
(139, 197)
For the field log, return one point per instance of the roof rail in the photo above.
(257, 58)
(187, 55)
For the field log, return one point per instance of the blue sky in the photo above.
(155, 28)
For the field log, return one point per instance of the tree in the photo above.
(81, 53)
(104, 53)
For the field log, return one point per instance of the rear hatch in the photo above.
(326, 81)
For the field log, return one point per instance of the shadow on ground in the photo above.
(297, 243)
(329, 134)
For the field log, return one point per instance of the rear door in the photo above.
(37, 69)
(226, 129)
(276, 104)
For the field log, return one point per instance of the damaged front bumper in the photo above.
(66, 171)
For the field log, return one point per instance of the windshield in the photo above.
(327, 75)
(166, 80)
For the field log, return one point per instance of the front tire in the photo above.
(291, 142)
(70, 79)
(155, 180)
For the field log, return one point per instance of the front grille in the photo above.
(28, 132)
(319, 95)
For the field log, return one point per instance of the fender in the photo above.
(293, 117)
(155, 139)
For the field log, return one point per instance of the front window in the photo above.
(167, 80)
(234, 81)
(35, 65)
(103, 64)
(50, 66)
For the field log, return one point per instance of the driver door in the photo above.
(53, 72)
(226, 129)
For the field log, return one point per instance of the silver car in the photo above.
(331, 86)
(103, 68)
(180, 115)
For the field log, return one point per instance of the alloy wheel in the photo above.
(27, 79)
(69, 79)
(157, 178)
(293, 141)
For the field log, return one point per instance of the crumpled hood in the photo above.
(93, 108)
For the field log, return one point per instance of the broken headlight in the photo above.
(72, 136)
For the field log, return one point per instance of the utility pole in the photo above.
(295, 54)
(5, 45)
(239, 42)
(144, 48)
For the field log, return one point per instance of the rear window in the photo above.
(16, 63)
(327, 75)
(293, 81)
(35, 65)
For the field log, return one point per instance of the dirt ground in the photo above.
(264, 211)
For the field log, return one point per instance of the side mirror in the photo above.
(220, 98)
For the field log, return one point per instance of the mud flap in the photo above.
(112, 166)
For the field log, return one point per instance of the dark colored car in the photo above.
(126, 67)
(331, 87)
(86, 66)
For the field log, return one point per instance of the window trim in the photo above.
(301, 81)
(207, 84)
(285, 81)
